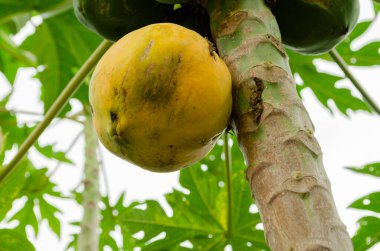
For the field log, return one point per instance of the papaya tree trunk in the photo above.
(275, 134)
(89, 235)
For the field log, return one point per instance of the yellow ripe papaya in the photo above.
(160, 97)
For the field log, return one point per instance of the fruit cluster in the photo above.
(161, 96)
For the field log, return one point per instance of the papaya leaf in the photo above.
(24, 57)
(10, 9)
(376, 5)
(49, 152)
(200, 212)
(368, 233)
(11, 186)
(9, 126)
(26, 217)
(8, 67)
(369, 202)
(12, 240)
(109, 222)
(323, 85)
(9, 53)
(372, 169)
(49, 213)
(15, 24)
(37, 188)
(61, 45)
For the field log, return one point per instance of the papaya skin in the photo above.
(314, 26)
(112, 19)
(160, 97)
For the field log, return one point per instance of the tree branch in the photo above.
(89, 235)
(72, 86)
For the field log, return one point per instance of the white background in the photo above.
(345, 141)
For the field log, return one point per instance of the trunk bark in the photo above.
(274, 131)
(89, 235)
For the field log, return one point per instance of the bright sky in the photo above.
(345, 142)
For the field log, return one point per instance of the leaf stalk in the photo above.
(344, 67)
(228, 171)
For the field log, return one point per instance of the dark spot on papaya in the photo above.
(120, 93)
(211, 48)
(155, 135)
(92, 109)
(171, 146)
(114, 117)
(159, 82)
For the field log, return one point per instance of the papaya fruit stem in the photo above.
(228, 173)
(334, 54)
(57, 106)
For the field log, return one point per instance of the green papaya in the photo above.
(112, 19)
(314, 26)
(192, 16)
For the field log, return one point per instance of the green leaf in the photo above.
(11, 186)
(323, 85)
(10, 9)
(36, 187)
(8, 46)
(15, 24)
(26, 217)
(109, 222)
(369, 202)
(49, 212)
(372, 169)
(9, 126)
(49, 152)
(368, 233)
(200, 214)
(12, 240)
(61, 45)
(376, 5)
